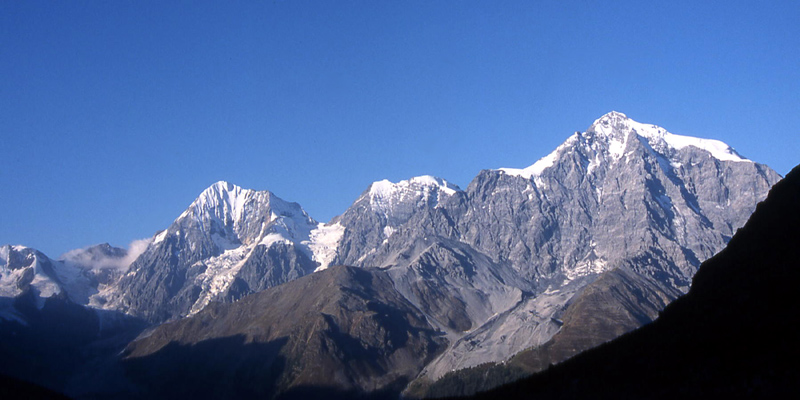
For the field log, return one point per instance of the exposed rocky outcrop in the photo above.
(732, 336)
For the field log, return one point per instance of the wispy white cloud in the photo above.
(94, 258)
(135, 249)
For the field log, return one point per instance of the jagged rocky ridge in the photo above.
(498, 267)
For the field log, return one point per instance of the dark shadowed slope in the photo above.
(12, 388)
(342, 328)
(618, 302)
(733, 335)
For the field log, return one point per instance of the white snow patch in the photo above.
(218, 276)
(608, 128)
(385, 188)
(272, 238)
(596, 161)
(159, 237)
(74, 281)
(382, 189)
(616, 147)
(534, 170)
(292, 227)
(589, 267)
(323, 242)
(591, 264)
(432, 181)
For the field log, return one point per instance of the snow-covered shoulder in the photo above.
(544, 163)
(718, 149)
(654, 134)
(534, 170)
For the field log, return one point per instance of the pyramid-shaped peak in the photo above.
(241, 213)
(224, 200)
(226, 192)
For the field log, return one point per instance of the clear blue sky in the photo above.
(115, 115)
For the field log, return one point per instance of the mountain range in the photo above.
(414, 282)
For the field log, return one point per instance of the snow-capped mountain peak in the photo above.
(222, 200)
(229, 242)
(424, 183)
(616, 127)
(609, 137)
(23, 268)
(384, 195)
(234, 216)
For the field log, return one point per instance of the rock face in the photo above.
(348, 330)
(617, 302)
(733, 335)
